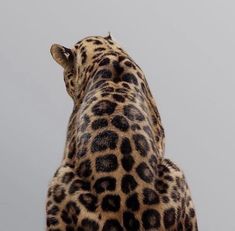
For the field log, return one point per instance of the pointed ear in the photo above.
(62, 55)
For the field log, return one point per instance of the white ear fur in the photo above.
(62, 55)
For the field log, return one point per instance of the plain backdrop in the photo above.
(187, 51)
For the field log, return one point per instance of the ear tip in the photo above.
(53, 48)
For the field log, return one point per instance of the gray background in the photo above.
(187, 51)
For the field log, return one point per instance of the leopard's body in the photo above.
(114, 176)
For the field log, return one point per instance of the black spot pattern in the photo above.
(141, 144)
(117, 67)
(119, 98)
(84, 169)
(132, 202)
(161, 186)
(88, 225)
(58, 194)
(99, 123)
(151, 219)
(51, 221)
(144, 172)
(150, 197)
(105, 183)
(169, 217)
(125, 146)
(133, 113)
(127, 162)
(53, 211)
(77, 185)
(111, 203)
(104, 61)
(128, 183)
(130, 78)
(112, 225)
(68, 176)
(130, 222)
(106, 163)
(104, 140)
(120, 122)
(89, 201)
(104, 107)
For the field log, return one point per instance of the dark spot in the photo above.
(58, 194)
(126, 85)
(105, 183)
(192, 213)
(121, 90)
(135, 127)
(65, 217)
(128, 63)
(120, 122)
(141, 144)
(68, 176)
(88, 225)
(165, 199)
(112, 225)
(132, 202)
(127, 162)
(126, 146)
(128, 183)
(53, 211)
(117, 67)
(104, 61)
(119, 98)
(108, 89)
(51, 221)
(99, 49)
(69, 228)
(130, 78)
(99, 123)
(154, 163)
(104, 107)
(84, 57)
(144, 172)
(106, 163)
(160, 186)
(130, 222)
(89, 201)
(111, 203)
(81, 151)
(133, 113)
(72, 208)
(150, 197)
(169, 217)
(78, 185)
(151, 219)
(84, 169)
(104, 140)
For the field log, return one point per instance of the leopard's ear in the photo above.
(62, 55)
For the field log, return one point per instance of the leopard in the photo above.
(114, 175)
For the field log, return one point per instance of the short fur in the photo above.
(114, 175)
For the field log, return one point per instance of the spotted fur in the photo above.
(114, 176)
